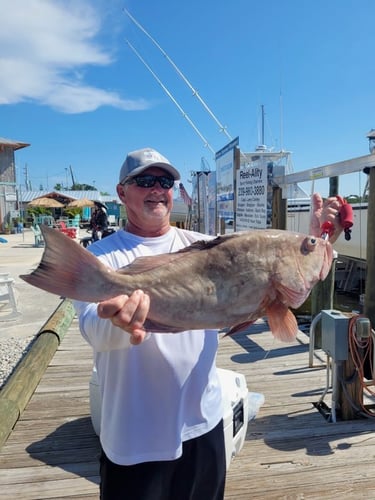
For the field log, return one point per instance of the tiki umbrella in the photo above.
(80, 203)
(45, 202)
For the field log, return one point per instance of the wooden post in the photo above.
(221, 226)
(322, 298)
(333, 186)
(369, 306)
(352, 392)
(279, 209)
(354, 389)
(323, 292)
(22, 383)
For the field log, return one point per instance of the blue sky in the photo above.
(72, 88)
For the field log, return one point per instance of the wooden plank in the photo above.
(36, 473)
(45, 489)
(49, 455)
(289, 447)
(290, 451)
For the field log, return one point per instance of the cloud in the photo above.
(45, 48)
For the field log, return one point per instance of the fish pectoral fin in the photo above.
(282, 322)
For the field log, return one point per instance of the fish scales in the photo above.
(227, 282)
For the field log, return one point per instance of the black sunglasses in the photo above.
(148, 181)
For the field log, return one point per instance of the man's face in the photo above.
(147, 207)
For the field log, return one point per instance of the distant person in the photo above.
(98, 222)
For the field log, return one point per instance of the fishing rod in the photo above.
(222, 128)
(184, 114)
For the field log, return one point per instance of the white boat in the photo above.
(298, 220)
(350, 274)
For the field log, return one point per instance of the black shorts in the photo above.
(199, 474)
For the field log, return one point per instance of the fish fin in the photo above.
(207, 244)
(142, 264)
(68, 270)
(282, 322)
(240, 327)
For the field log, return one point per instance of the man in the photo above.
(99, 221)
(161, 415)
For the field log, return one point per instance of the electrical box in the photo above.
(335, 336)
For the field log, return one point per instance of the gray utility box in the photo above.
(335, 337)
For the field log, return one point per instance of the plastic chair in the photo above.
(38, 237)
(7, 295)
(69, 231)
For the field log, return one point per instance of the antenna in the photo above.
(222, 128)
(72, 176)
(281, 122)
(206, 143)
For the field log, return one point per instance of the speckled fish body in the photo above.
(228, 282)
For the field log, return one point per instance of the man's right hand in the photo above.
(128, 313)
(325, 211)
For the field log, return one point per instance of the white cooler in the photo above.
(235, 403)
(236, 411)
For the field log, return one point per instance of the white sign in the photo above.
(225, 180)
(251, 198)
(10, 197)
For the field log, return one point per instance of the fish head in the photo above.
(302, 261)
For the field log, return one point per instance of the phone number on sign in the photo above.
(251, 190)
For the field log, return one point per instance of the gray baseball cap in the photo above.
(138, 161)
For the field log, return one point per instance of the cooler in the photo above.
(236, 411)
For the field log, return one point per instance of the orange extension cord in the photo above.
(361, 349)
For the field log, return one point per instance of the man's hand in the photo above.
(326, 211)
(128, 313)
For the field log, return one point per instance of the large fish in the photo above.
(227, 282)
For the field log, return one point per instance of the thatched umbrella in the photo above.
(80, 203)
(46, 203)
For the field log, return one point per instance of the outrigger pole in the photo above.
(206, 143)
(222, 128)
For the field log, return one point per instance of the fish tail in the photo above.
(68, 270)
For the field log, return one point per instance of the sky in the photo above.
(73, 88)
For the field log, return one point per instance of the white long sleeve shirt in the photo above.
(162, 392)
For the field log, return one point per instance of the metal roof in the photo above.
(27, 196)
(13, 144)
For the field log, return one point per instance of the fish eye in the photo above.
(309, 244)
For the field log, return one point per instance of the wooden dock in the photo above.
(290, 452)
